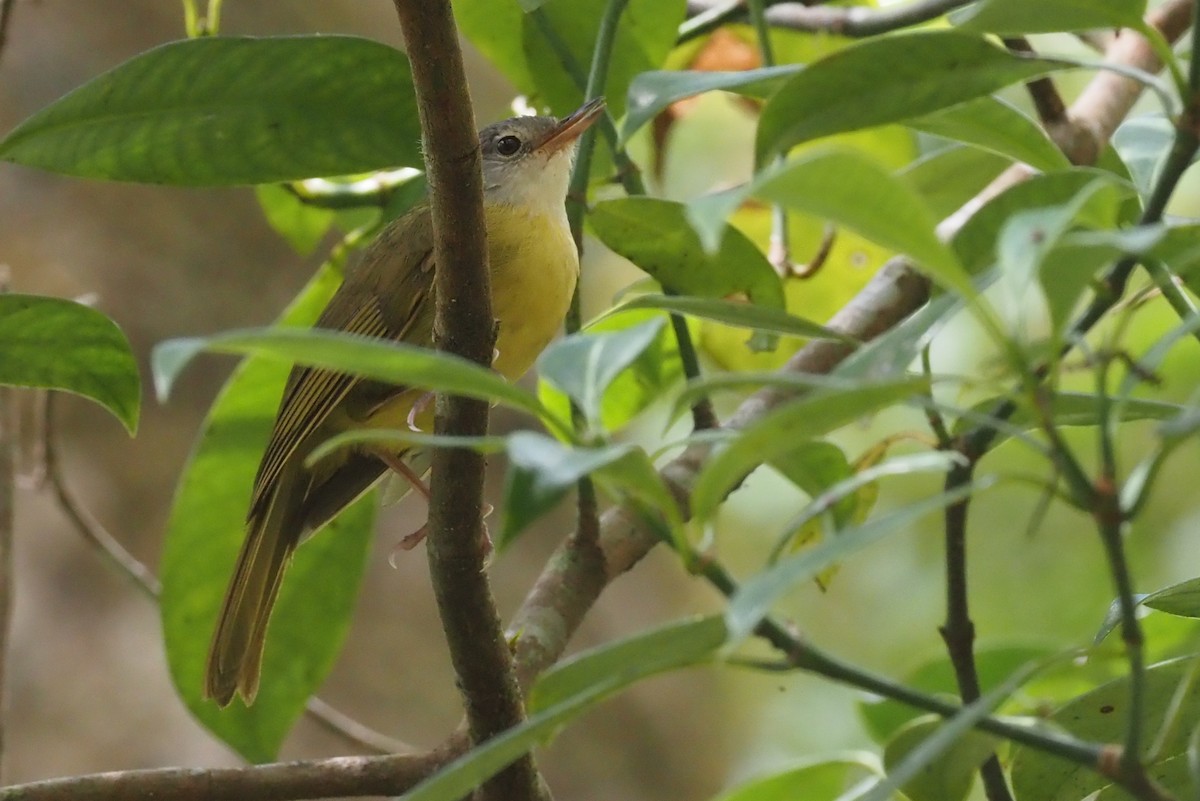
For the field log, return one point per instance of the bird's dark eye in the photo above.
(508, 145)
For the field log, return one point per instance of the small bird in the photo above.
(390, 295)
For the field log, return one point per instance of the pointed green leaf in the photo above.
(937, 762)
(584, 365)
(1143, 143)
(883, 717)
(755, 598)
(652, 373)
(1170, 689)
(204, 533)
(51, 343)
(541, 471)
(1073, 409)
(993, 124)
(232, 110)
(657, 237)
(651, 92)
(888, 79)
(947, 776)
(814, 779)
(585, 682)
(832, 183)
(976, 242)
(788, 427)
(1012, 17)
(393, 362)
(675, 645)
(517, 45)
(741, 315)
(948, 178)
(302, 225)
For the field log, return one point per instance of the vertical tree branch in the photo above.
(8, 448)
(464, 325)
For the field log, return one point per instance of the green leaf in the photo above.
(788, 427)
(754, 599)
(1180, 600)
(656, 236)
(832, 183)
(575, 686)
(948, 178)
(51, 343)
(993, 124)
(204, 533)
(646, 380)
(1011, 17)
(1170, 690)
(832, 494)
(937, 762)
(814, 779)
(889, 355)
(949, 775)
(585, 364)
(651, 92)
(515, 43)
(976, 242)
(620, 663)
(888, 79)
(883, 717)
(393, 362)
(741, 315)
(541, 471)
(1143, 144)
(402, 438)
(1071, 409)
(302, 225)
(232, 110)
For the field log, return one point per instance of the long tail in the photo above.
(235, 656)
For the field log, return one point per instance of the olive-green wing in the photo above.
(378, 299)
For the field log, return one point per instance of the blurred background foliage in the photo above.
(89, 689)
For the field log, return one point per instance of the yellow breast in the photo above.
(534, 267)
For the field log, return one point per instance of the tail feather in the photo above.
(235, 656)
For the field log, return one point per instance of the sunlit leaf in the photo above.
(302, 225)
(51, 343)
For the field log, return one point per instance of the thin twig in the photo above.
(1050, 108)
(103, 542)
(457, 549)
(6, 7)
(8, 477)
